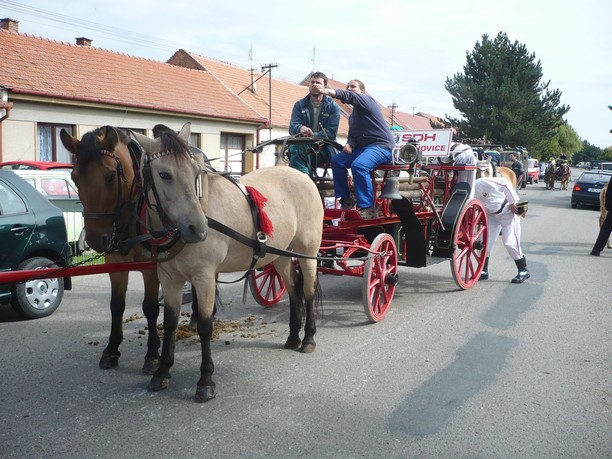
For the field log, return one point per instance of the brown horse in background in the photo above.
(565, 173)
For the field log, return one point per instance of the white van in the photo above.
(57, 186)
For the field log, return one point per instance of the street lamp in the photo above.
(5, 105)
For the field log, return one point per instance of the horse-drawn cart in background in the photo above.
(425, 217)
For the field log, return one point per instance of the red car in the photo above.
(34, 165)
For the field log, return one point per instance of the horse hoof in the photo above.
(150, 367)
(108, 361)
(205, 393)
(159, 383)
(292, 344)
(308, 348)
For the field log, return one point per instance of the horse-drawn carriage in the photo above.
(425, 217)
(268, 223)
(557, 171)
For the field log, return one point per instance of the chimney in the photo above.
(10, 25)
(82, 41)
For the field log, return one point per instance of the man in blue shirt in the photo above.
(369, 144)
(316, 115)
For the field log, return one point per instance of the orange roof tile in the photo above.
(37, 66)
(238, 80)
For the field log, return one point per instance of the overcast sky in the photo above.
(403, 50)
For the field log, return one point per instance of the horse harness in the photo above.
(259, 245)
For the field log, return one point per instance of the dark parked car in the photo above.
(33, 235)
(588, 187)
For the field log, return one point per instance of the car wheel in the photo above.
(40, 297)
(574, 205)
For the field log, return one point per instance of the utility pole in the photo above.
(393, 107)
(268, 69)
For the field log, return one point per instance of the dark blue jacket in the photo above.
(329, 119)
(367, 126)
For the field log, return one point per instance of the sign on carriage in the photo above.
(432, 142)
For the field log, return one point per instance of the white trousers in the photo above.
(510, 227)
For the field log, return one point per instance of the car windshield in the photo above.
(591, 177)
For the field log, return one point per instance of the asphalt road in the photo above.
(501, 370)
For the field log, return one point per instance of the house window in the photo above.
(231, 156)
(50, 146)
(194, 140)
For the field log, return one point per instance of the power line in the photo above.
(113, 33)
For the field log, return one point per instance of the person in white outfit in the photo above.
(463, 155)
(499, 199)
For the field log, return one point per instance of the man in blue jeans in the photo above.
(369, 144)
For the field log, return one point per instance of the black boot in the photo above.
(523, 273)
(484, 274)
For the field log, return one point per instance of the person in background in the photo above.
(606, 226)
(316, 115)
(499, 199)
(518, 169)
(369, 144)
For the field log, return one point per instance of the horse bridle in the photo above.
(149, 185)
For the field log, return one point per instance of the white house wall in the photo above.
(19, 129)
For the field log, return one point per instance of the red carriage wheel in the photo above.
(470, 242)
(267, 287)
(380, 277)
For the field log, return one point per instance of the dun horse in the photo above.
(293, 214)
(104, 174)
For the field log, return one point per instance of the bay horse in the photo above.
(196, 200)
(105, 175)
(565, 173)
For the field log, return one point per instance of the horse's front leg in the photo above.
(173, 292)
(111, 354)
(150, 307)
(207, 294)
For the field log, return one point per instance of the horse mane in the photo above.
(90, 148)
(170, 140)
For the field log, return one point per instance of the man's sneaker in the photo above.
(347, 203)
(484, 275)
(522, 275)
(369, 212)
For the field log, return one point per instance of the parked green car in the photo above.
(32, 235)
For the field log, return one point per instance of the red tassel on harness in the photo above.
(260, 200)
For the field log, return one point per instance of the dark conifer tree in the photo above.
(501, 97)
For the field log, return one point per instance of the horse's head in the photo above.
(173, 180)
(103, 172)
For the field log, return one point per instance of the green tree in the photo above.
(563, 141)
(501, 98)
(588, 152)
